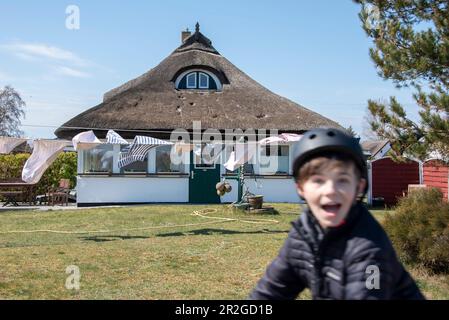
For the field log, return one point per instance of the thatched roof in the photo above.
(151, 101)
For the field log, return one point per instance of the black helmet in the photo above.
(321, 140)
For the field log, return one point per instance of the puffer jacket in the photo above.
(353, 261)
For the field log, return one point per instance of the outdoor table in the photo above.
(11, 197)
(19, 186)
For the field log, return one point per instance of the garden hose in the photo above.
(199, 213)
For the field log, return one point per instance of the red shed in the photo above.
(436, 174)
(390, 180)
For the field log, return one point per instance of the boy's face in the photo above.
(331, 193)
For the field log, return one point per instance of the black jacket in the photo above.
(339, 263)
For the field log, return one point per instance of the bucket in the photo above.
(255, 202)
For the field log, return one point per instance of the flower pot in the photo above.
(255, 201)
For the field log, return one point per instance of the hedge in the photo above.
(64, 167)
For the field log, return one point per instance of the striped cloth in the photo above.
(139, 149)
(113, 137)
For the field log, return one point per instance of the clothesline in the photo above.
(45, 151)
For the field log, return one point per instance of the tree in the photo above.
(11, 112)
(411, 48)
(351, 132)
(367, 130)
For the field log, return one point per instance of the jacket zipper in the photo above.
(317, 265)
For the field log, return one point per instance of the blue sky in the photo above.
(312, 52)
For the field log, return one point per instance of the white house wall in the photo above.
(161, 189)
(131, 189)
(97, 189)
(231, 196)
(273, 189)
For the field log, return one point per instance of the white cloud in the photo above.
(41, 50)
(67, 71)
(62, 62)
(25, 56)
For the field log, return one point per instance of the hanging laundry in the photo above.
(283, 138)
(85, 140)
(7, 144)
(139, 149)
(44, 153)
(197, 149)
(182, 147)
(243, 153)
(212, 151)
(113, 137)
(291, 137)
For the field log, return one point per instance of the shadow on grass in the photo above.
(105, 238)
(209, 231)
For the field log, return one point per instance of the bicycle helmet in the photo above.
(321, 140)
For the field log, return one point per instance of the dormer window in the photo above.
(191, 80)
(198, 79)
(203, 80)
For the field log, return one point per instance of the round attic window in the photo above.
(198, 80)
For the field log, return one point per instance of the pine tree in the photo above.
(411, 48)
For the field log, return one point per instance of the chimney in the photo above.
(185, 35)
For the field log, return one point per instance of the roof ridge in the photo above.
(197, 41)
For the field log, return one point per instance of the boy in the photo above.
(336, 248)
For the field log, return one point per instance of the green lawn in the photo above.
(204, 260)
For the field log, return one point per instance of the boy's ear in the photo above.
(299, 189)
(361, 186)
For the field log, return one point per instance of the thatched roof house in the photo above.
(223, 97)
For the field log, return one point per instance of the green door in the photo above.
(202, 181)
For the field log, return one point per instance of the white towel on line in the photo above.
(7, 144)
(44, 153)
(85, 140)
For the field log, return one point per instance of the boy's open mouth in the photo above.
(331, 207)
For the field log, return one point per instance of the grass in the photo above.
(207, 260)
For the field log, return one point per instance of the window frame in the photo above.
(198, 160)
(88, 159)
(199, 80)
(160, 149)
(194, 74)
(124, 170)
(211, 75)
(278, 156)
